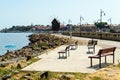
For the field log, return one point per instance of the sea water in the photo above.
(13, 41)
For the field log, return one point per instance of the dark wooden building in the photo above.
(55, 25)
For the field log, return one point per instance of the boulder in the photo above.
(19, 66)
(28, 57)
(44, 75)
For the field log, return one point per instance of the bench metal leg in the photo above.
(100, 62)
(59, 55)
(113, 58)
(68, 53)
(105, 59)
(91, 61)
(93, 50)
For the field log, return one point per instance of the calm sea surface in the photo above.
(12, 41)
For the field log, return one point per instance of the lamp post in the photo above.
(70, 30)
(81, 18)
(102, 13)
(110, 20)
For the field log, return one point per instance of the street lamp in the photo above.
(110, 20)
(102, 13)
(81, 18)
(70, 30)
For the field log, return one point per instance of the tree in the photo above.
(101, 25)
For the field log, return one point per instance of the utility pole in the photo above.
(102, 13)
(110, 20)
(81, 18)
(70, 30)
(110, 24)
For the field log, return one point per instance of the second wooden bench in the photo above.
(64, 52)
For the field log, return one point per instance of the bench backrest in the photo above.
(67, 48)
(106, 51)
(89, 42)
(92, 42)
(76, 43)
(95, 42)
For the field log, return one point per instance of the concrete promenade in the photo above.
(78, 60)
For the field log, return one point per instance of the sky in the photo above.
(42, 12)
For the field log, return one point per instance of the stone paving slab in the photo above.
(78, 60)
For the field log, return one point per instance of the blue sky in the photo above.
(26, 12)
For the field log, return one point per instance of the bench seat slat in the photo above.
(62, 51)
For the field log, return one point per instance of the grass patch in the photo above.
(12, 68)
(96, 78)
(118, 64)
(52, 76)
(80, 76)
(4, 72)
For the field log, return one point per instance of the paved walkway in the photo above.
(77, 62)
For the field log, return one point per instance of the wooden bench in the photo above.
(63, 53)
(91, 45)
(74, 46)
(103, 53)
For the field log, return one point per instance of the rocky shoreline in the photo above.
(38, 44)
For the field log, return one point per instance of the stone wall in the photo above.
(97, 35)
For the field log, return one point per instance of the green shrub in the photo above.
(4, 72)
(35, 47)
(44, 44)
